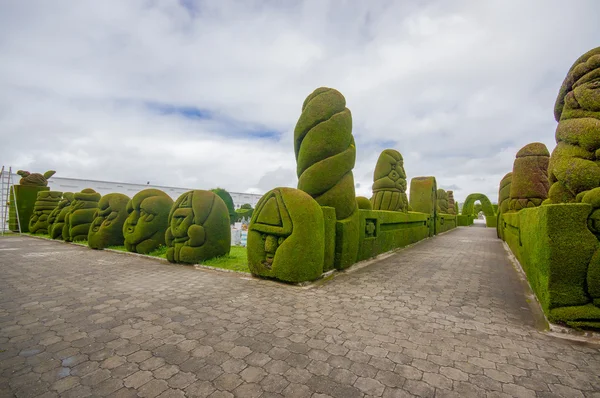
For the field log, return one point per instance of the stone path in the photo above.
(445, 318)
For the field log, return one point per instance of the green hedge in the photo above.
(442, 201)
(80, 216)
(364, 203)
(529, 182)
(463, 220)
(223, 194)
(59, 215)
(423, 198)
(107, 227)
(45, 203)
(286, 237)
(26, 196)
(389, 182)
(452, 205)
(445, 222)
(147, 221)
(199, 228)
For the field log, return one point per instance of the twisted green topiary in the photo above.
(325, 151)
(46, 202)
(198, 228)
(389, 187)
(286, 236)
(80, 216)
(56, 219)
(107, 227)
(573, 166)
(364, 203)
(147, 221)
(35, 179)
(529, 182)
(451, 203)
(442, 201)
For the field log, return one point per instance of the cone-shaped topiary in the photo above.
(573, 165)
(442, 201)
(199, 228)
(286, 236)
(35, 179)
(223, 194)
(56, 219)
(147, 221)
(325, 156)
(107, 226)
(451, 203)
(389, 186)
(529, 182)
(364, 203)
(46, 202)
(80, 216)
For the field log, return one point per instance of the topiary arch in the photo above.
(487, 207)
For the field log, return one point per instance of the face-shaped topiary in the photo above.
(529, 182)
(325, 151)
(147, 221)
(451, 203)
(80, 216)
(574, 164)
(389, 187)
(57, 217)
(442, 201)
(35, 179)
(286, 236)
(107, 226)
(198, 228)
(45, 203)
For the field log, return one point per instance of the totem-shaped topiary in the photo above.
(442, 201)
(389, 182)
(147, 221)
(529, 182)
(45, 204)
(58, 215)
(286, 236)
(364, 203)
(199, 228)
(451, 203)
(35, 179)
(81, 214)
(107, 226)
(573, 167)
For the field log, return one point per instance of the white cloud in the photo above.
(456, 87)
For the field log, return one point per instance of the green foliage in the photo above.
(26, 197)
(464, 220)
(147, 220)
(389, 186)
(45, 203)
(329, 222)
(382, 231)
(244, 212)
(442, 201)
(81, 214)
(199, 228)
(58, 223)
(445, 222)
(423, 198)
(487, 208)
(347, 233)
(35, 179)
(223, 194)
(529, 182)
(325, 151)
(477, 208)
(452, 205)
(107, 225)
(286, 237)
(364, 203)
(236, 260)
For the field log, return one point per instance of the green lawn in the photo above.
(236, 260)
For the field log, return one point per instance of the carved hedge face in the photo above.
(107, 227)
(182, 218)
(274, 224)
(389, 171)
(147, 220)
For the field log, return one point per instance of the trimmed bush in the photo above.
(464, 220)
(80, 216)
(364, 203)
(529, 183)
(223, 194)
(389, 186)
(58, 215)
(286, 236)
(26, 197)
(330, 227)
(452, 205)
(147, 221)
(442, 201)
(244, 212)
(35, 179)
(107, 227)
(445, 222)
(423, 198)
(573, 167)
(503, 202)
(486, 206)
(46, 202)
(199, 228)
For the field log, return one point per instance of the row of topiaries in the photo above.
(549, 211)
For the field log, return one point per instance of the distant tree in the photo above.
(245, 211)
(223, 194)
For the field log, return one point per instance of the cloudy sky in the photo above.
(200, 94)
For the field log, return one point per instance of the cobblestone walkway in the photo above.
(446, 317)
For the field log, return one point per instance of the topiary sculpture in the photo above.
(107, 227)
(35, 179)
(286, 236)
(442, 201)
(199, 228)
(389, 187)
(46, 202)
(147, 221)
(223, 194)
(529, 181)
(573, 167)
(364, 203)
(423, 199)
(56, 219)
(451, 203)
(81, 214)
(325, 156)
(504, 193)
